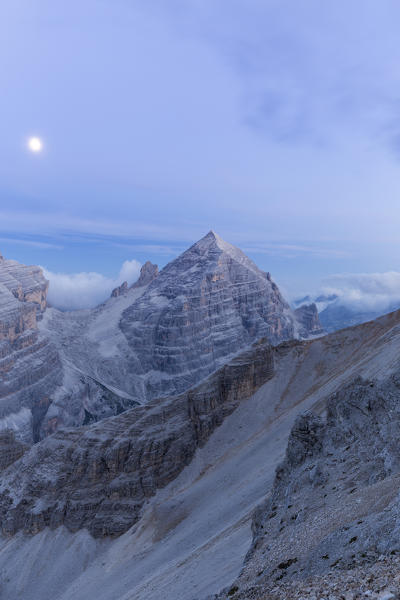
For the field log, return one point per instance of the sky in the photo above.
(275, 123)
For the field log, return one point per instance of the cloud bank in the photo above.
(72, 291)
(378, 292)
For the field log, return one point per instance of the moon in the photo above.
(35, 144)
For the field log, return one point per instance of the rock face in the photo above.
(29, 366)
(26, 284)
(38, 392)
(98, 477)
(335, 500)
(204, 307)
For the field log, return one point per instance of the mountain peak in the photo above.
(212, 235)
(212, 246)
(211, 239)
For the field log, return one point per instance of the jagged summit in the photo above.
(148, 272)
(211, 239)
(212, 245)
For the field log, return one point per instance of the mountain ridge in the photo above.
(192, 535)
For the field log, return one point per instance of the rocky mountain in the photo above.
(157, 502)
(168, 331)
(106, 411)
(204, 307)
(158, 337)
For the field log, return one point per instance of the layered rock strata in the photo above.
(203, 307)
(29, 366)
(98, 477)
(169, 330)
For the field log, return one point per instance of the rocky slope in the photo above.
(335, 503)
(192, 506)
(335, 500)
(98, 477)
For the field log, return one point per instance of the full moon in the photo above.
(35, 144)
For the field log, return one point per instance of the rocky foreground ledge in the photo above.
(330, 529)
(375, 581)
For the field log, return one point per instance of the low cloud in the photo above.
(72, 291)
(365, 291)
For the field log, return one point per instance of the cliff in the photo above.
(98, 477)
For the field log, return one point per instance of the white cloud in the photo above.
(365, 291)
(71, 291)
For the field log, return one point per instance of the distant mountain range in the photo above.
(335, 314)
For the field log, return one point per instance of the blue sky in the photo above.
(275, 123)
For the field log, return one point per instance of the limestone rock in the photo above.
(98, 477)
(29, 366)
(335, 501)
(169, 330)
(205, 306)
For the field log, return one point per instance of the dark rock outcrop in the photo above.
(148, 273)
